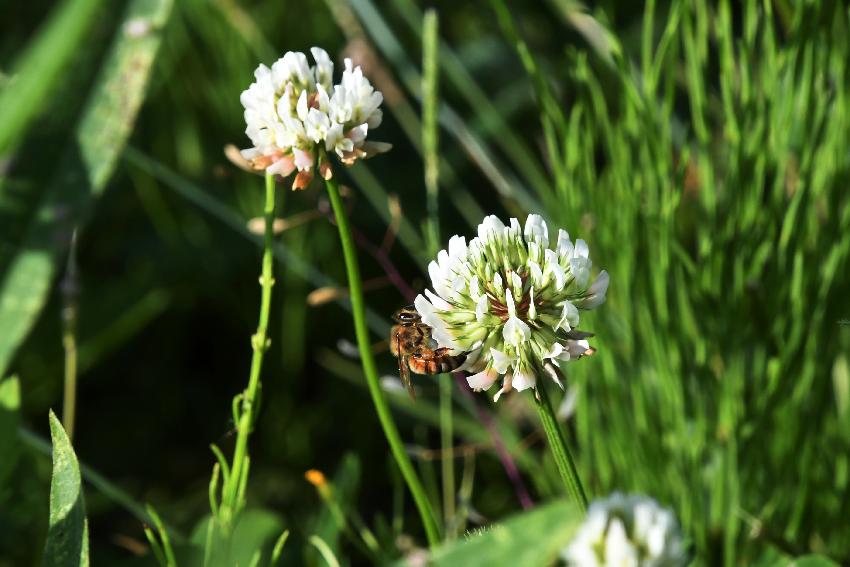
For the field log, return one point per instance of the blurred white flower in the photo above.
(294, 115)
(510, 302)
(630, 530)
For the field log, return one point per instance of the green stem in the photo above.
(448, 461)
(558, 446)
(430, 132)
(259, 343)
(371, 371)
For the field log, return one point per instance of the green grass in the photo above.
(699, 147)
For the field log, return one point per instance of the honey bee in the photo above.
(411, 343)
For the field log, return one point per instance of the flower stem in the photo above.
(447, 462)
(233, 493)
(371, 371)
(558, 446)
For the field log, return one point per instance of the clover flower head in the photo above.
(627, 530)
(295, 116)
(511, 302)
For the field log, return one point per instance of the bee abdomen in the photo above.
(436, 365)
(449, 363)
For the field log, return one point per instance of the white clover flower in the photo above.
(510, 302)
(295, 115)
(631, 531)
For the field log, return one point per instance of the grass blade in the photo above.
(39, 69)
(67, 536)
(106, 124)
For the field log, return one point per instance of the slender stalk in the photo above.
(370, 370)
(248, 403)
(69, 402)
(558, 446)
(447, 463)
(430, 146)
(70, 294)
(430, 133)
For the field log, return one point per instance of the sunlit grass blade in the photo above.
(82, 175)
(38, 71)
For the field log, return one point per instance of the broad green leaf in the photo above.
(39, 69)
(530, 539)
(256, 530)
(67, 536)
(10, 404)
(100, 136)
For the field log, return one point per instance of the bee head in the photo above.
(407, 316)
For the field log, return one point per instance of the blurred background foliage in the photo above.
(699, 147)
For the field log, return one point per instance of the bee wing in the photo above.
(404, 370)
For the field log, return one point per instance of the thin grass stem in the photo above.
(430, 131)
(70, 309)
(447, 463)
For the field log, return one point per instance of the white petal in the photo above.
(490, 228)
(501, 361)
(303, 159)
(581, 250)
(535, 230)
(324, 67)
(457, 246)
(595, 295)
(536, 272)
(515, 229)
(509, 300)
(439, 277)
(580, 269)
(506, 387)
(565, 245)
(523, 380)
(483, 380)
(438, 301)
(475, 288)
(481, 308)
(516, 331)
(618, 549)
(301, 108)
(569, 317)
(554, 351)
